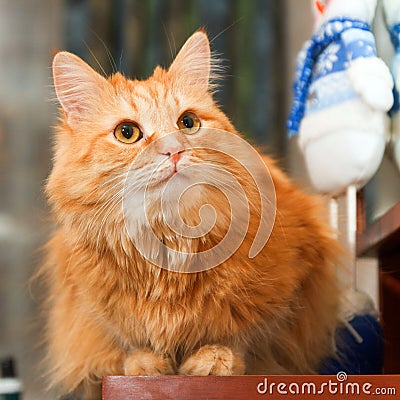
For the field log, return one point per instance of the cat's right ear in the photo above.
(78, 87)
(192, 65)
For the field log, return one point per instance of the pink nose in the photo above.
(171, 147)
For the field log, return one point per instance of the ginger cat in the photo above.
(111, 310)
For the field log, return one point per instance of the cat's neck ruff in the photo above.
(177, 236)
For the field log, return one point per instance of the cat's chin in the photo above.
(161, 196)
(171, 187)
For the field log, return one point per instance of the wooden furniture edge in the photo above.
(382, 233)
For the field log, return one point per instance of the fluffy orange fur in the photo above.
(113, 312)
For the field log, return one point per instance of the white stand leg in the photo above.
(343, 218)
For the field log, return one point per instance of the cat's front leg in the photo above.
(213, 360)
(146, 362)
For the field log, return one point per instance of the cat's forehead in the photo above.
(157, 91)
(151, 90)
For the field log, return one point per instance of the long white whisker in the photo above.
(115, 201)
(95, 58)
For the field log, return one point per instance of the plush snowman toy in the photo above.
(392, 15)
(342, 93)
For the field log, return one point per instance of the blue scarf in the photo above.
(394, 31)
(328, 33)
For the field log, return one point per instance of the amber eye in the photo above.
(127, 132)
(189, 123)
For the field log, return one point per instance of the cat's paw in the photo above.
(146, 362)
(213, 360)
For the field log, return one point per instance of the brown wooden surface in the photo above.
(180, 387)
(390, 299)
(382, 239)
(361, 212)
(244, 387)
(382, 236)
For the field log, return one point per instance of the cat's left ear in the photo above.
(192, 65)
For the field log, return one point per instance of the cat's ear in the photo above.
(192, 65)
(78, 87)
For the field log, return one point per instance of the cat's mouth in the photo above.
(167, 171)
(165, 178)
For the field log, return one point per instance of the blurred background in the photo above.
(258, 41)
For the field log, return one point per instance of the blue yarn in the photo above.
(328, 33)
(353, 357)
